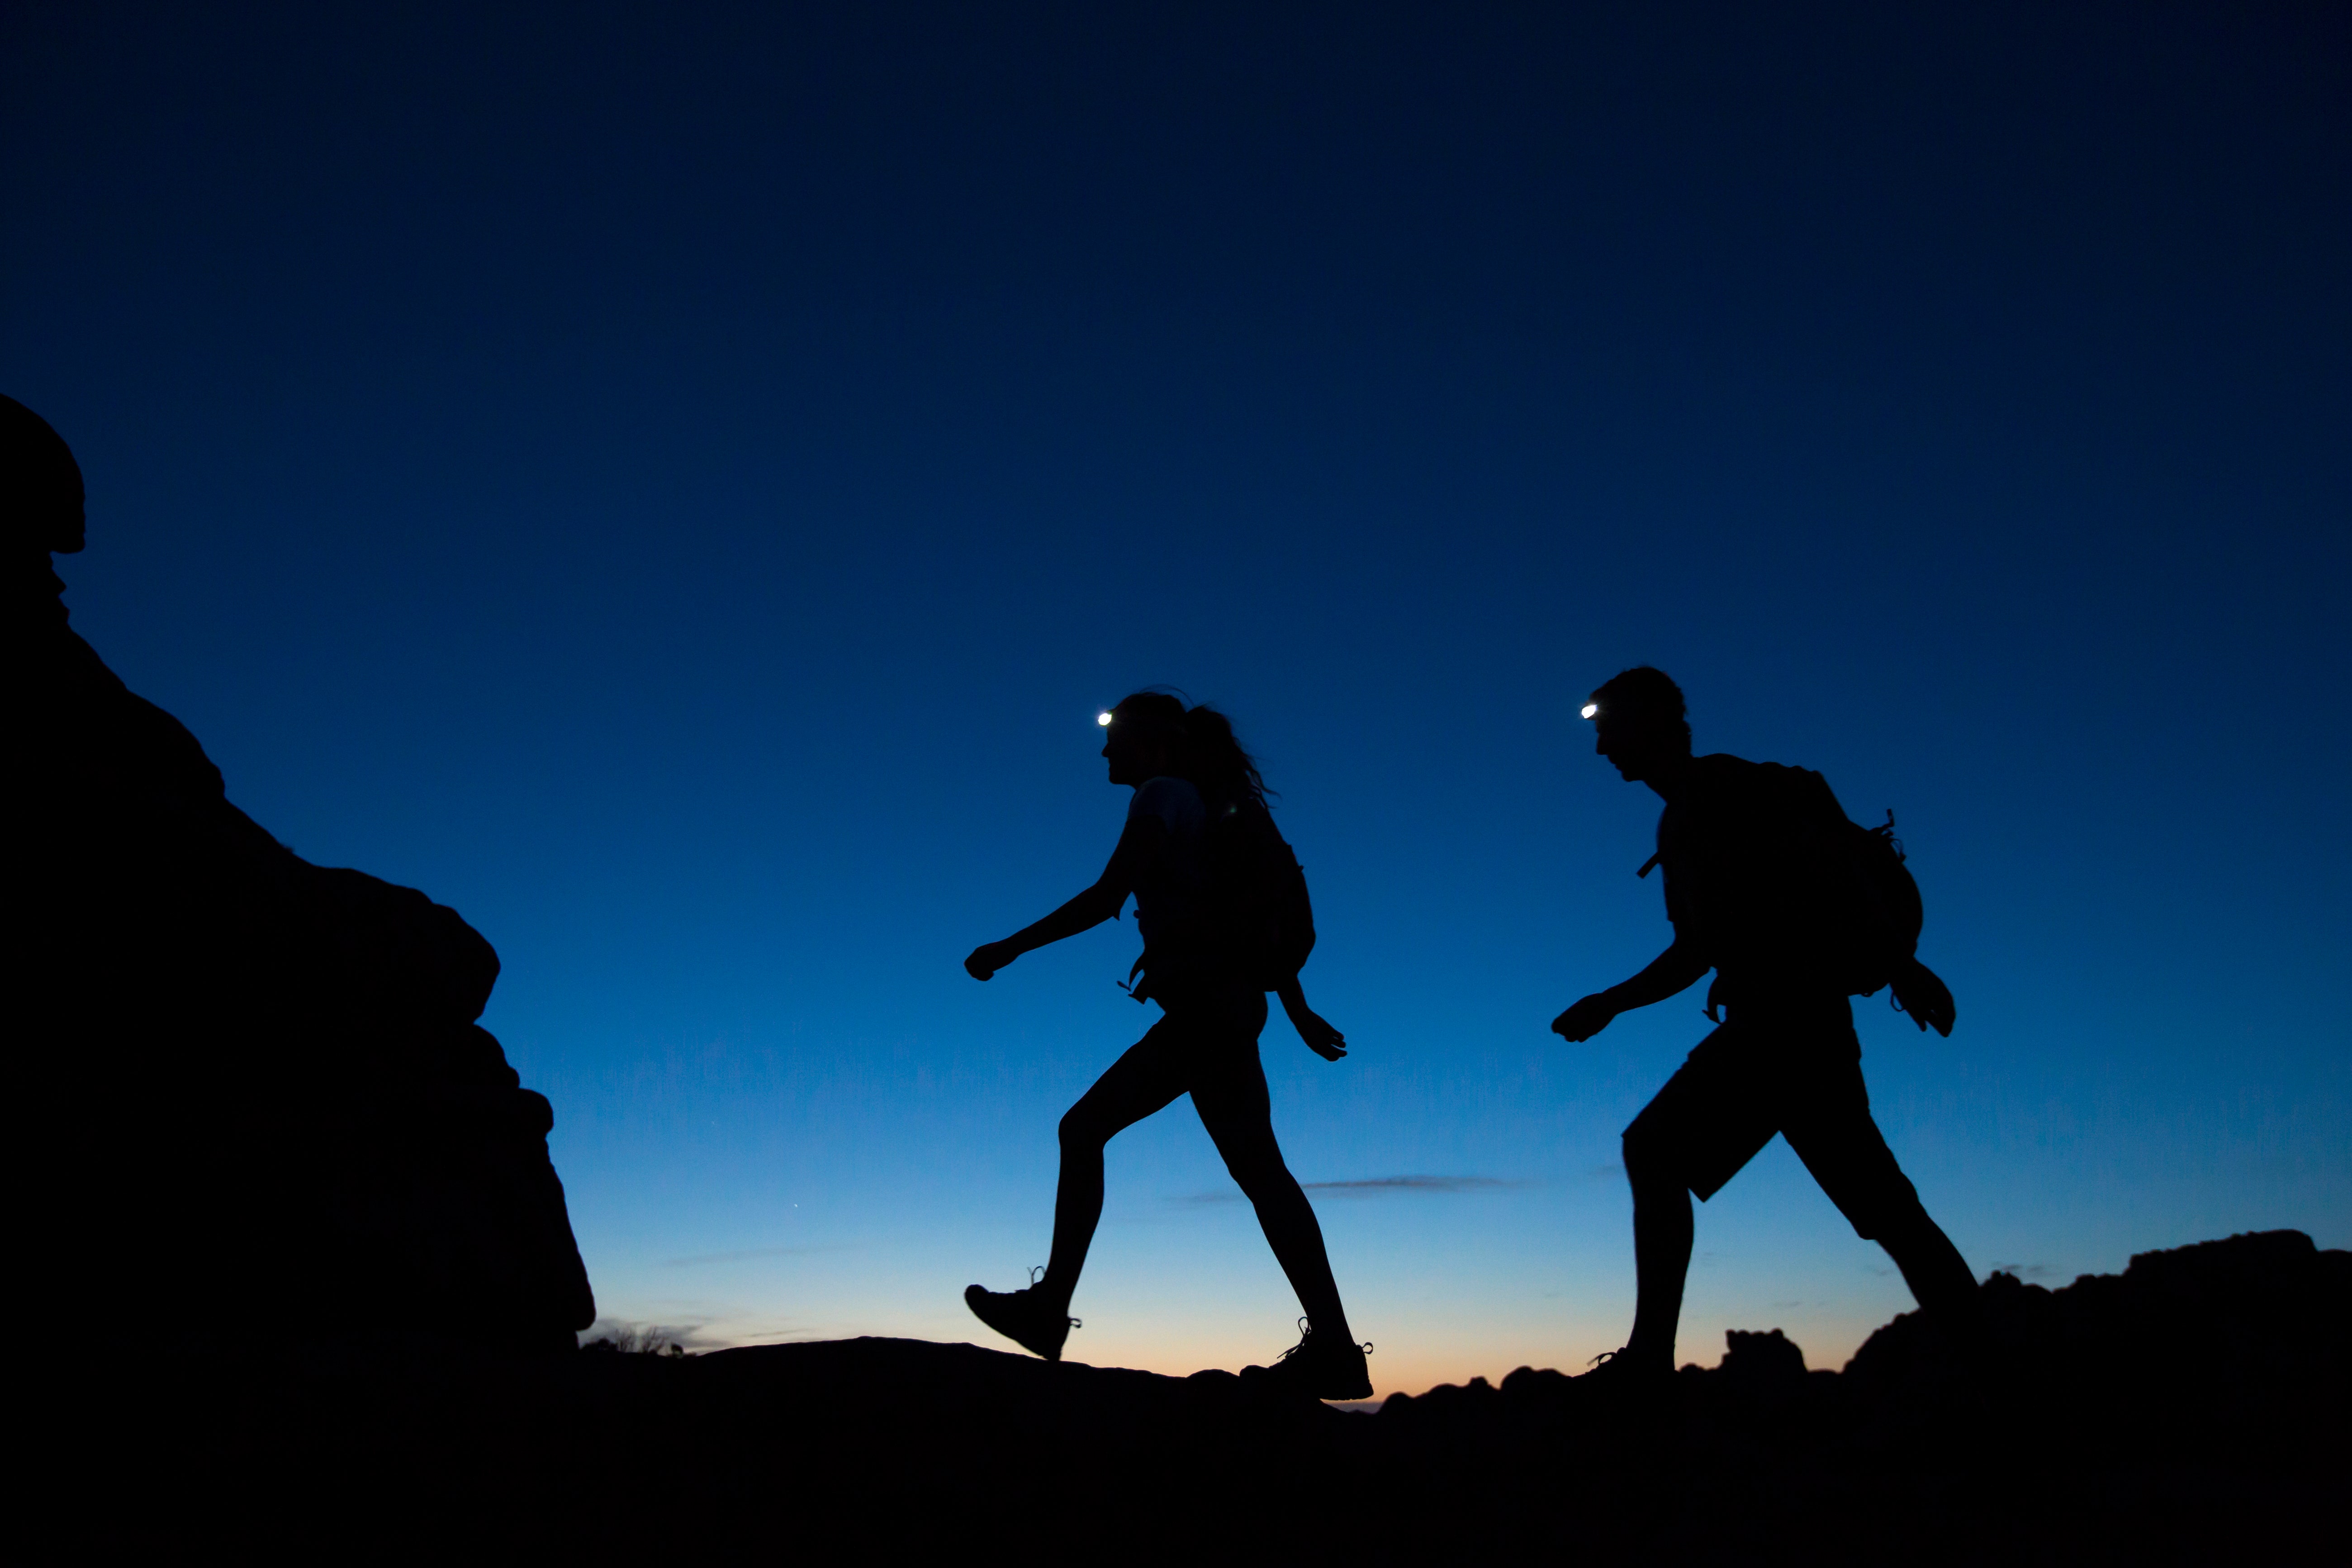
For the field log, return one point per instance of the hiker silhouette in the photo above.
(1222, 911)
(1795, 909)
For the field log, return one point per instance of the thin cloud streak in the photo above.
(1375, 1186)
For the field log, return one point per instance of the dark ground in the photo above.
(2189, 1408)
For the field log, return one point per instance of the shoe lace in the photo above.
(1307, 1333)
(1037, 1272)
(1604, 1355)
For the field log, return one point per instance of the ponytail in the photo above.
(1202, 747)
(1222, 770)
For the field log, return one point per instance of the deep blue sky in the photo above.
(677, 483)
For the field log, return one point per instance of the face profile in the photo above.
(1135, 752)
(1610, 742)
(1635, 750)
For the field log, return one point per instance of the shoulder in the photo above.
(1718, 782)
(1721, 770)
(1747, 797)
(1731, 798)
(1727, 781)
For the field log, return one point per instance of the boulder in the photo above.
(255, 1096)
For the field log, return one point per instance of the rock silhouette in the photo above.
(258, 1099)
(2190, 1409)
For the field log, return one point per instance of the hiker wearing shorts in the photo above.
(1757, 890)
(1197, 793)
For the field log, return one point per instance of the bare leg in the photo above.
(1236, 1109)
(1662, 1229)
(1848, 1156)
(1940, 1278)
(1144, 1080)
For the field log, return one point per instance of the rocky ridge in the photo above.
(2188, 1407)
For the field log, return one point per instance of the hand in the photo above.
(1584, 1020)
(988, 958)
(1927, 999)
(1321, 1038)
(1138, 983)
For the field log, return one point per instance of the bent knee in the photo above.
(1647, 1158)
(1261, 1174)
(1887, 1212)
(1081, 1130)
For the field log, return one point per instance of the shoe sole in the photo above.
(1040, 1351)
(1361, 1389)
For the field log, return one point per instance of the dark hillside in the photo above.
(246, 1079)
(2187, 1408)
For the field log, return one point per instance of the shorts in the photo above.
(1791, 1070)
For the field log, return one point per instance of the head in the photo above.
(1144, 737)
(1152, 733)
(1640, 724)
(40, 485)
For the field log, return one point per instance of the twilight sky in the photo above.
(677, 483)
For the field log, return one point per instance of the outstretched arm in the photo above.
(1140, 848)
(1315, 1029)
(1672, 970)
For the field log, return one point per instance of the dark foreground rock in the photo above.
(2190, 1409)
(250, 1094)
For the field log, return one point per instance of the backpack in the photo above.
(1884, 929)
(1866, 899)
(1890, 915)
(1855, 892)
(1257, 899)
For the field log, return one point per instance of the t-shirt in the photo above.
(1743, 874)
(1169, 898)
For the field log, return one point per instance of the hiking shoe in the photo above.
(1024, 1317)
(1324, 1366)
(1618, 1376)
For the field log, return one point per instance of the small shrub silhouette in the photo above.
(635, 1339)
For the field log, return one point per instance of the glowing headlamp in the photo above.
(1592, 710)
(1103, 719)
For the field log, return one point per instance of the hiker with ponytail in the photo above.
(1222, 907)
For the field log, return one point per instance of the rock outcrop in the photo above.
(255, 1100)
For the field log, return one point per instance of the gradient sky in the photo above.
(677, 483)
